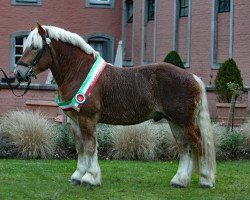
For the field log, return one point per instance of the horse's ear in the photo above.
(31, 27)
(41, 31)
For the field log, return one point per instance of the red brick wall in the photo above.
(241, 50)
(9, 102)
(149, 41)
(164, 28)
(223, 37)
(137, 32)
(128, 46)
(183, 38)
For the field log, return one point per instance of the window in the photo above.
(17, 41)
(129, 10)
(183, 8)
(26, 2)
(100, 3)
(224, 6)
(102, 43)
(151, 10)
(99, 46)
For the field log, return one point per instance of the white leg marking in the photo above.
(81, 168)
(93, 172)
(183, 176)
(82, 158)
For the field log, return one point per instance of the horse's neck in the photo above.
(70, 67)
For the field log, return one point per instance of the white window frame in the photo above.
(99, 3)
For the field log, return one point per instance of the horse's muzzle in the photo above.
(22, 74)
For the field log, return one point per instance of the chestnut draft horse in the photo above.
(92, 91)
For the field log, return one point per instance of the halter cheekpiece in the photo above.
(85, 90)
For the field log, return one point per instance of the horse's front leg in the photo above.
(88, 171)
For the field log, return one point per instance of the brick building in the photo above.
(204, 33)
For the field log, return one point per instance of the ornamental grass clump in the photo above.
(30, 133)
(245, 129)
(145, 141)
(136, 142)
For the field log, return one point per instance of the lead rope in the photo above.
(16, 86)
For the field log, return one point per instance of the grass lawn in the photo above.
(48, 179)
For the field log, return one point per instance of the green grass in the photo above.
(48, 179)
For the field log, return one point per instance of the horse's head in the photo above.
(36, 56)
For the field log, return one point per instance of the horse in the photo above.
(91, 91)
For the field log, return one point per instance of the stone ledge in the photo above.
(33, 86)
(41, 103)
(238, 105)
(212, 88)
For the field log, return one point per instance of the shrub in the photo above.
(104, 140)
(66, 139)
(32, 135)
(174, 58)
(219, 132)
(168, 148)
(245, 128)
(7, 150)
(228, 72)
(232, 144)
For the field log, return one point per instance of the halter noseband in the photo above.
(30, 73)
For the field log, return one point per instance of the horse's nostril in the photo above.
(18, 76)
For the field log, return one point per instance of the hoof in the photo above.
(175, 185)
(87, 185)
(206, 185)
(75, 182)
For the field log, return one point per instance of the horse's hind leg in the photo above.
(183, 176)
(88, 171)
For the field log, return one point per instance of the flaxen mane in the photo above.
(35, 40)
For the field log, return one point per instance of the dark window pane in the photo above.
(186, 12)
(186, 3)
(19, 41)
(224, 6)
(19, 50)
(151, 9)
(27, 1)
(129, 8)
(17, 58)
(183, 8)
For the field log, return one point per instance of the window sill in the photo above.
(33, 86)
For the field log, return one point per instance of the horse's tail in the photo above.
(206, 158)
